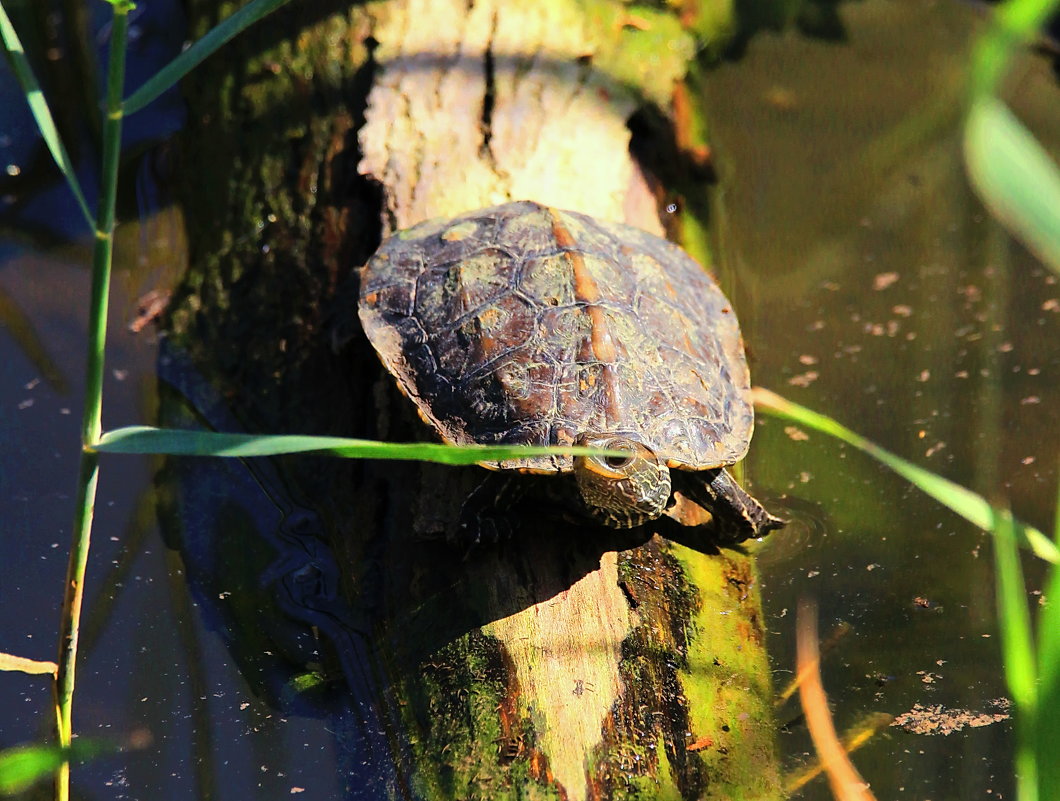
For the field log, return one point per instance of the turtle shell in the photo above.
(523, 324)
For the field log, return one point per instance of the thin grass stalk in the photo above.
(91, 424)
(1047, 734)
(1017, 648)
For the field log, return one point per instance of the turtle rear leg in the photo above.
(735, 515)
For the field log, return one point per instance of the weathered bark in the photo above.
(562, 663)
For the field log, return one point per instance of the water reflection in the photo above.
(873, 287)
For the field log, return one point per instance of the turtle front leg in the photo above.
(735, 515)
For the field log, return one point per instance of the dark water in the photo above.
(871, 285)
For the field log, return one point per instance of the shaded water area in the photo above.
(870, 285)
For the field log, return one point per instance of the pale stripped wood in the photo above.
(566, 653)
(475, 105)
(550, 121)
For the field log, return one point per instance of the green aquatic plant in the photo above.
(974, 508)
(102, 223)
(20, 767)
(1014, 176)
(23, 765)
(177, 442)
(1020, 185)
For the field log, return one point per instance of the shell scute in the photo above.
(524, 324)
(449, 292)
(530, 227)
(545, 280)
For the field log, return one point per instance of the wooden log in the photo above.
(568, 662)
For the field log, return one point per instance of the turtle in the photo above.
(522, 324)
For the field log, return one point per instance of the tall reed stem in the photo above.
(91, 423)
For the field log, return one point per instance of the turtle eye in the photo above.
(630, 451)
(625, 489)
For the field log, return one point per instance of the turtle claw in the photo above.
(735, 515)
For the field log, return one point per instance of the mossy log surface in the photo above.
(565, 662)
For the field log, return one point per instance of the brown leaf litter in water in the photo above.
(935, 719)
(804, 379)
(884, 280)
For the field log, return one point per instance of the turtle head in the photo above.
(621, 491)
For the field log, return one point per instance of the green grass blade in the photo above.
(1013, 614)
(175, 442)
(1015, 177)
(1014, 23)
(88, 470)
(1017, 649)
(41, 113)
(24, 665)
(1047, 734)
(200, 50)
(1047, 739)
(23, 765)
(964, 502)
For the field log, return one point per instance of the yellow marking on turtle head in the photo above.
(625, 490)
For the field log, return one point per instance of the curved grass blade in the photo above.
(200, 50)
(844, 779)
(1015, 177)
(969, 505)
(23, 765)
(861, 733)
(41, 113)
(176, 442)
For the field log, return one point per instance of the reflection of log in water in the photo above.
(267, 582)
(565, 658)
